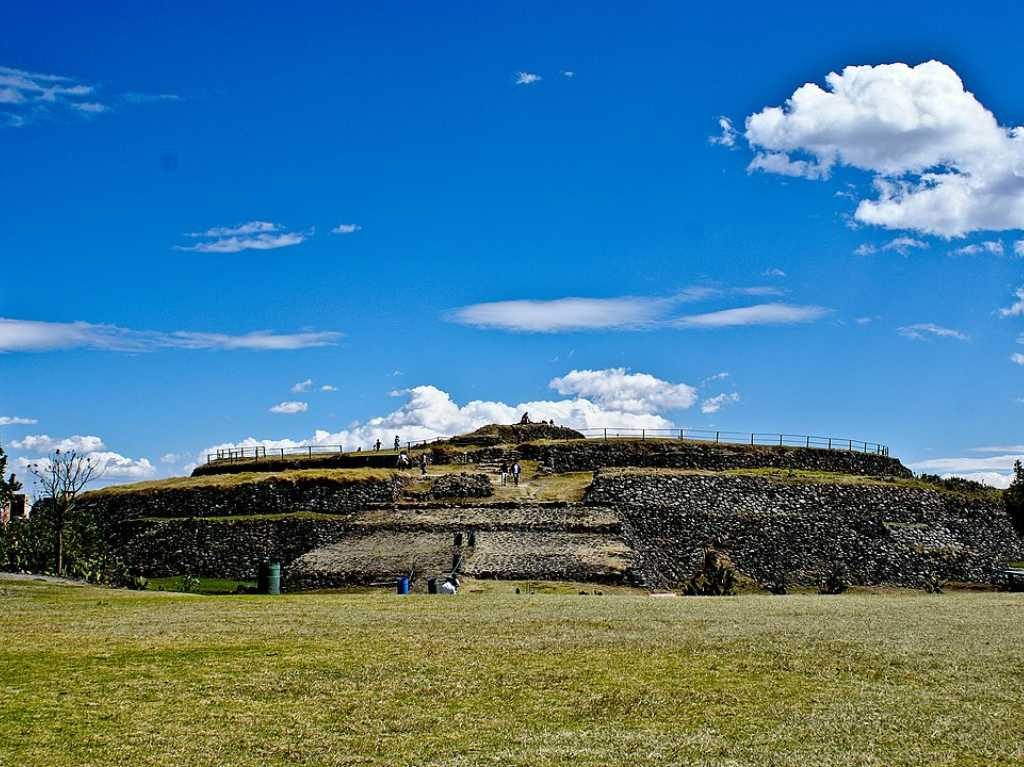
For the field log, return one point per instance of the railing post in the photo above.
(851, 446)
(605, 435)
(309, 449)
(780, 440)
(643, 434)
(716, 437)
(808, 440)
(751, 438)
(829, 443)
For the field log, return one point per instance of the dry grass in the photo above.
(340, 476)
(116, 678)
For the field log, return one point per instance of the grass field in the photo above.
(97, 677)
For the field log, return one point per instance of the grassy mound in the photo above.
(514, 434)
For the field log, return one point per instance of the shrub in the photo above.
(1013, 497)
(716, 576)
(933, 584)
(189, 584)
(836, 580)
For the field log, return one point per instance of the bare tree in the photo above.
(61, 478)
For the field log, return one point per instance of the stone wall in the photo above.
(795, 532)
(462, 486)
(273, 495)
(593, 454)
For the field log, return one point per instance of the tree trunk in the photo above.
(60, 551)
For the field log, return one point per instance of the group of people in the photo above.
(404, 462)
(512, 472)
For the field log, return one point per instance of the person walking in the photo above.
(515, 473)
(423, 464)
(376, 445)
(398, 444)
(503, 471)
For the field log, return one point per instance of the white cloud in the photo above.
(617, 389)
(302, 386)
(998, 449)
(963, 465)
(568, 73)
(991, 247)
(761, 314)
(346, 229)
(134, 97)
(290, 407)
(712, 378)
(865, 320)
(621, 313)
(562, 314)
(990, 478)
(1017, 359)
(253, 235)
(901, 245)
(15, 420)
(44, 443)
(716, 403)
(27, 95)
(109, 465)
(923, 330)
(727, 135)
(171, 457)
(1017, 308)
(430, 412)
(328, 387)
(527, 78)
(773, 272)
(35, 335)
(1018, 248)
(942, 164)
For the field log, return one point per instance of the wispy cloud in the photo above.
(134, 97)
(924, 330)
(328, 387)
(761, 314)
(35, 336)
(26, 95)
(527, 78)
(773, 272)
(15, 420)
(346, 229)
(568, 73)
(727, 133)
(290, 408)
(1017, 359)
(302, 386)
(1015, 309)
(716, 403)
(577, 313)
(901, 245)
(990, 247)
(253, 235)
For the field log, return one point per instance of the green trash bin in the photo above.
(269, 581)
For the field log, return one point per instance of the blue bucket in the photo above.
(403, 585)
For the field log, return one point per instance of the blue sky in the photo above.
(398, 202)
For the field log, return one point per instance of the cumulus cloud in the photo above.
(290, 407)
(328, 387)
(253, 235)
(761, 314)
(1015, 309)
(430, 412)
(346, 229)
(1017, 359)
(37, 335)
(727, 133)
(527, 78)
(109, 465)
(617, 389)
(16, 420)
(302, 386)
(44, 443)
(716, 403)
(924, 330)
(941, 162)
(1018, 248)
(990, 247)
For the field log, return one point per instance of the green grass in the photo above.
(97, 677)
(341, 476)
(209, 586)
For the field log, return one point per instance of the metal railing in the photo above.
(775, 439)
(741, 438)
(259, 452)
